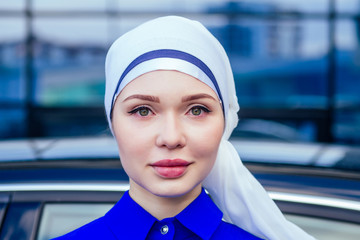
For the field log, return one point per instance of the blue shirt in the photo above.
(128, 220)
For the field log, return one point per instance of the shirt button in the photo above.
(164, 229)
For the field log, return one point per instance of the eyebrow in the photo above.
(197, 96)
(143, 97)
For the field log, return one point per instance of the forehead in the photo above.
(166, 81)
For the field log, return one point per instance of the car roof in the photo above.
(58, 148)
(255, 151)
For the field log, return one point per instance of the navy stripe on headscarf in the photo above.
(169, 53)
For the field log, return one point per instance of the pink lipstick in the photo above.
(170, 168)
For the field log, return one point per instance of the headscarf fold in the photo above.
(177, 43)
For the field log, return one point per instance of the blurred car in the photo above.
(51, 186)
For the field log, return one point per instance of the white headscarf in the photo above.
(176, 43)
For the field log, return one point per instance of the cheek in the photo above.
(124, 139)
(208, 139)
(128, 152)
(129, 139)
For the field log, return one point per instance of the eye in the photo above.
(198, 110)
(142, 111)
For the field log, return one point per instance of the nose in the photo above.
(171, 134)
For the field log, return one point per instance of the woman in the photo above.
(171, 105)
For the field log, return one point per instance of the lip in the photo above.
(170, 168)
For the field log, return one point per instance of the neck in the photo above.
(159, 206)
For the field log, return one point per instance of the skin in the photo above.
(167, 115)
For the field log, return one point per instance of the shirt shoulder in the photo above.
(96, 229)
(230, 231)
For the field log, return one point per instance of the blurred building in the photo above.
(296, 63)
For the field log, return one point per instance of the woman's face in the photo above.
(168, 126)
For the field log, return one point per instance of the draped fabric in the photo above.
(176, 43)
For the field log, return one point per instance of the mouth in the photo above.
(170, 168)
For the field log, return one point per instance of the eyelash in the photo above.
(202, 108)
(138, 109)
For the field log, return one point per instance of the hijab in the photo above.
(177, 43)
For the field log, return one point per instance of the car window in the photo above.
(58, 219)
(325, 228)
(4, 199)
(19, 220)
(2, 211)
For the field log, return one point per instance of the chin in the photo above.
(175, 191)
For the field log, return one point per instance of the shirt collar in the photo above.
(128, 220)
(202, 216)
